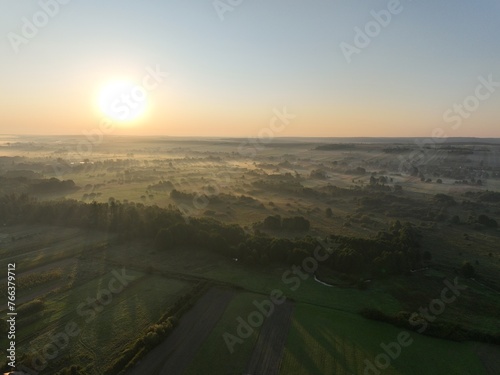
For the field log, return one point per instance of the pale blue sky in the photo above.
(227, 76)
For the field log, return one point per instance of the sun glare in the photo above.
(123, 101)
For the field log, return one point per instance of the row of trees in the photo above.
(129, 220)
(434, 328)
(391, 252)
(37, 186)
(276, 222)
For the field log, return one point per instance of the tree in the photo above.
(396, 226)
(279, 249)
(76, 370)
(297, 223)
(445, 200)
(297, 256)
(328, 212)
(272, 222)
(164, 239)
(487, 221)
(218, 243)
(467, 270)
(319, 174)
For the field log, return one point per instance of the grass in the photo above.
(103, 331)
(214, 346)
(322, 341)
(265, 279)
(134, 311)
(474, 308)
(47, 245)
(327, 335)
(257, 279)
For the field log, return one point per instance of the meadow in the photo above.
(236, 227)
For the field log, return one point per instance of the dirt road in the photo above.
(174, 355)
(268, 352)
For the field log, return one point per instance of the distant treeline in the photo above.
(396, 150)
(443, 330)
(395, 251)
(36, 186)
(335, 146)
(484, 196)
(51, 185)
(276, 222)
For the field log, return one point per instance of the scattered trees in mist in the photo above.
(395, 251)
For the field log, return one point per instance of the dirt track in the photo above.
(268, 352)
(173, 355)
(490, 357)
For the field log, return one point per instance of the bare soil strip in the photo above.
(490, 358)
(267, 355)
(179, 349)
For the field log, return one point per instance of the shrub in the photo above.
(328, 212)
(467, 269)
(487, 221)
(31, 307)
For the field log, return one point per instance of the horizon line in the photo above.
(438, 139)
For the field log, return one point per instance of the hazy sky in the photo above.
(230, 68)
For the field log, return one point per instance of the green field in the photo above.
(126, 217)
(113, 324)
(322, 341)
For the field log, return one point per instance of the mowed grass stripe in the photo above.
(324, 341)
(140, 307)
(63, 307)
(140, 304)
(36, 251)
(214, 347)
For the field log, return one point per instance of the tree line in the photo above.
(394, 251)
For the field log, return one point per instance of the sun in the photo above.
(123, 100)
